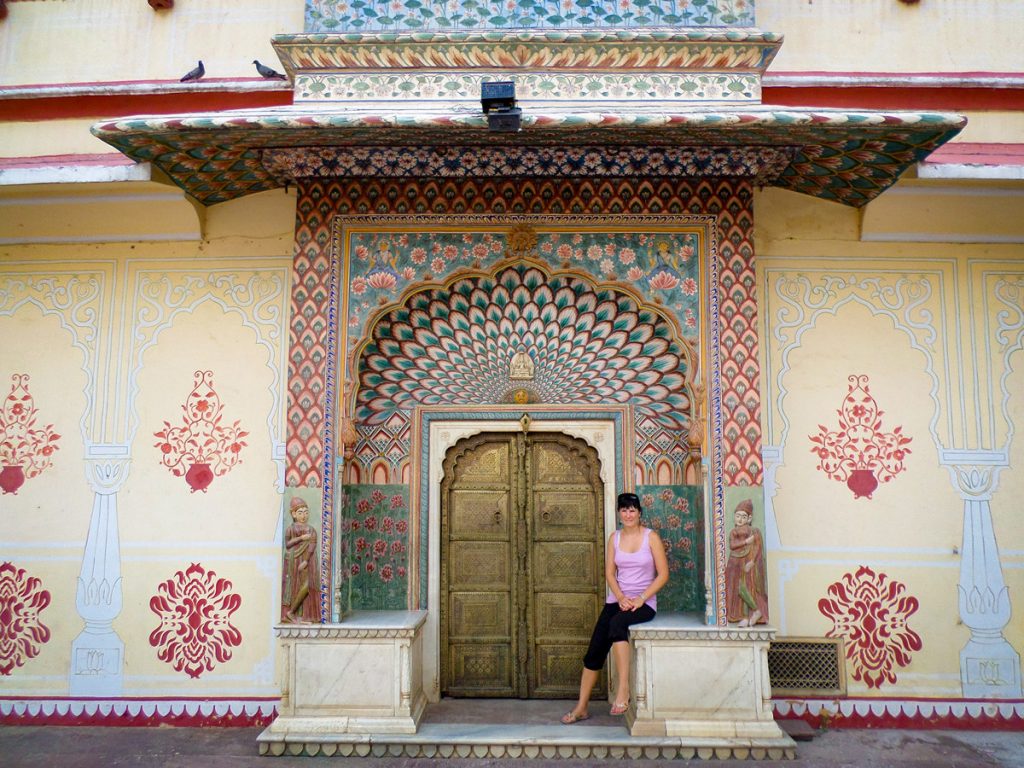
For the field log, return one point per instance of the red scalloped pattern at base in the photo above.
(962, 714)
(125, 712)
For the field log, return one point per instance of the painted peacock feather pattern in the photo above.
(588, 344)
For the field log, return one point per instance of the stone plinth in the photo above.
(702, 682)
(361, 676)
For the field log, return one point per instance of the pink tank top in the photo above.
(634, 571)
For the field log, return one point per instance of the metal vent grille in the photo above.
(807, 666)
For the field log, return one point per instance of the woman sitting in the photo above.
(635, 569)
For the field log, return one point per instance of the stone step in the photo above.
(495, 729)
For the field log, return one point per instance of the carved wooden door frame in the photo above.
(437, 428)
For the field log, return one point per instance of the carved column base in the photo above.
(97, 654)
(97, 663)
(990, 668)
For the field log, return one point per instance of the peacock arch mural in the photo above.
(525, 316)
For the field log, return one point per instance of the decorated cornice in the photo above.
(460, 91)
(359, 625)
(759, 163)
(612, 101)
(340, 632)
(759, 634)
(609, 49)
(844, 156)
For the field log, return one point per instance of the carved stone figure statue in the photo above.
(746, 596)
(300, 576)
(521, 366)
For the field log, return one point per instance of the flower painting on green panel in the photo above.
(376, 555)
(676, 513)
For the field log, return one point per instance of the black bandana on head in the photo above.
(629, 500)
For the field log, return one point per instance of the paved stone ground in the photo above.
(85, 747)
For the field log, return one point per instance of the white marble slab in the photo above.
(363, 675)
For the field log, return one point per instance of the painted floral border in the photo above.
(324, 16)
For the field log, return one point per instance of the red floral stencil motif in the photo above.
(195, 630)
(860, 453)
(202, 448)
(25, 451)
(870, 612)
(21, 631)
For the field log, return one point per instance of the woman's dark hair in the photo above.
(629, 500)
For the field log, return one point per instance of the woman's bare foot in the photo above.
(574, 717)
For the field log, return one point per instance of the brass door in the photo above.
(521, 564)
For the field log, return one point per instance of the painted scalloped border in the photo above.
(206, 713)
(522, 751)
(976, 714)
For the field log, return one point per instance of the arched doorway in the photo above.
(522, 532)
(521, 320)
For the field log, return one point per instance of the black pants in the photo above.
(612, 627)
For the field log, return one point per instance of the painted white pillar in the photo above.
(989, 665)
(771, 455)
(97, 654)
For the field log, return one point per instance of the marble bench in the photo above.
(695, 685)
(693, 680)
(361, 676)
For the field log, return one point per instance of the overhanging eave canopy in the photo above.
(849, 157)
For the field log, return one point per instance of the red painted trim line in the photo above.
(55, 104)
(971, 153)
(100, 106)
(821, 74)
(104, 159)
(896, 97)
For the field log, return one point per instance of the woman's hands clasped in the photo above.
(630, 603)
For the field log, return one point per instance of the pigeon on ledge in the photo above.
(194, 74)
(267, 72)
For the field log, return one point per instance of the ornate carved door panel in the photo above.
(566, 573)
(478, 515)
(521, 565)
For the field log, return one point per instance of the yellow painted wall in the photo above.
(111, 334)
(105, 35)
(51, 137)
(873, 319)
(859, 35)
(937, 327)
(123, 40)
(139, 289)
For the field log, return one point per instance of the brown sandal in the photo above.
(619, 709)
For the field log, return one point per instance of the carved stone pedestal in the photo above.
(699, 682)
(359, 677)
